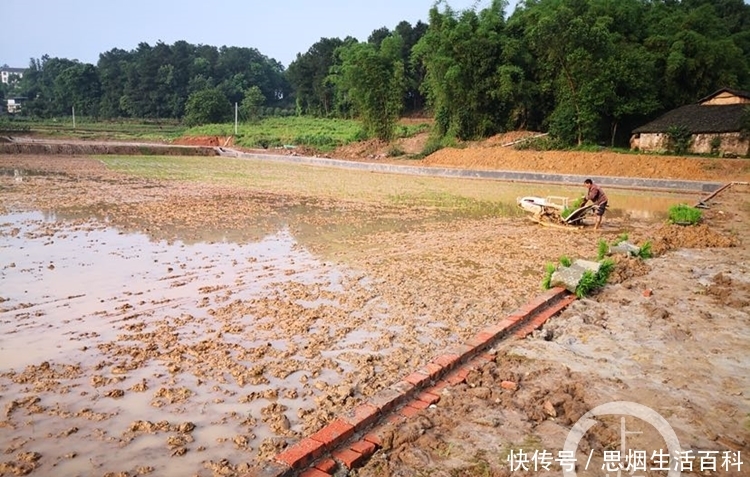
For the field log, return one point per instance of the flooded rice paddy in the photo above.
(139, 346)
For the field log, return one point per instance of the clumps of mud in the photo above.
(23, 464)
(669, 237)
(732, 292)
(627, 268)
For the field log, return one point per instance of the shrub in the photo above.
(680, 139)
(683, 214)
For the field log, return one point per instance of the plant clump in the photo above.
(683, 214)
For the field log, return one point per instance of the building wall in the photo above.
(729, 143)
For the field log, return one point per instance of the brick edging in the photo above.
(415, 391)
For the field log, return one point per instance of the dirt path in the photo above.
(218, 335)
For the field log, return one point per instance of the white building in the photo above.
(7, 74)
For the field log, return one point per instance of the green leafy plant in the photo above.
(572, 207)
(549, 269)
(680, 139)
(620, 239)
(645, 251)
(683, 214)
(602, 249)
(565, 261)
(591, 281)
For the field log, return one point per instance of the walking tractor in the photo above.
(555, 211)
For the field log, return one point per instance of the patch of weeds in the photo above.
(683, 214)
(395, 151)
(620, 239)
(565, 261)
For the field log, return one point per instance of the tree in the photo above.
(462, 56)
(252, 102)
(208, 106)
(308, 77)
(372, 78)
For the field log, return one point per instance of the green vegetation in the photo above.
(549, 269)
(589, 281)
(572, 207)
(89, 128)
(318, 133)
(585, 71)
(644, 251)
(680, 139)
(683, 214)
(593, 281)
(602, 249)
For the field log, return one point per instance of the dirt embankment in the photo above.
(82, 148)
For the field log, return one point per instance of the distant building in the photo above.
(714, 124)
(7, 74)
(14, 105)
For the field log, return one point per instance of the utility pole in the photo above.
(74, 117)
(235, 119)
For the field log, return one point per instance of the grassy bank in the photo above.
(319, 133)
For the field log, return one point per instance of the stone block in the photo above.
(625, 248)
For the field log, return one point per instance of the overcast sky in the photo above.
(279, 29)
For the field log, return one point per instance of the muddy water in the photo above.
(122, 351)
(88, 314)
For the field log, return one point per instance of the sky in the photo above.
(279, 29)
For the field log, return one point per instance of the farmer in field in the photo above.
(598, 197)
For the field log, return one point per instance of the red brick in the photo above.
(458, 376)
(314, 473)
(349, 458)
(428, 397)
(464, 351)
(373, 438)
(510, 385)
(301, 454)
(419, 404)
(506, 324)
(395, 419)
(438, 387)
(326, 465)
(334, 434)
(409, 411)
(362, 416)
(417, 379)
(495, 330)
(542, 316)
(488, 357)
(433, 370)
(447, 361)
(365, 448)
(481, 340)
(387, 399)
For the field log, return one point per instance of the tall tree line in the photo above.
(586, 71)
(152, 81)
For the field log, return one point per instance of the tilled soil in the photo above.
(218, 353)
